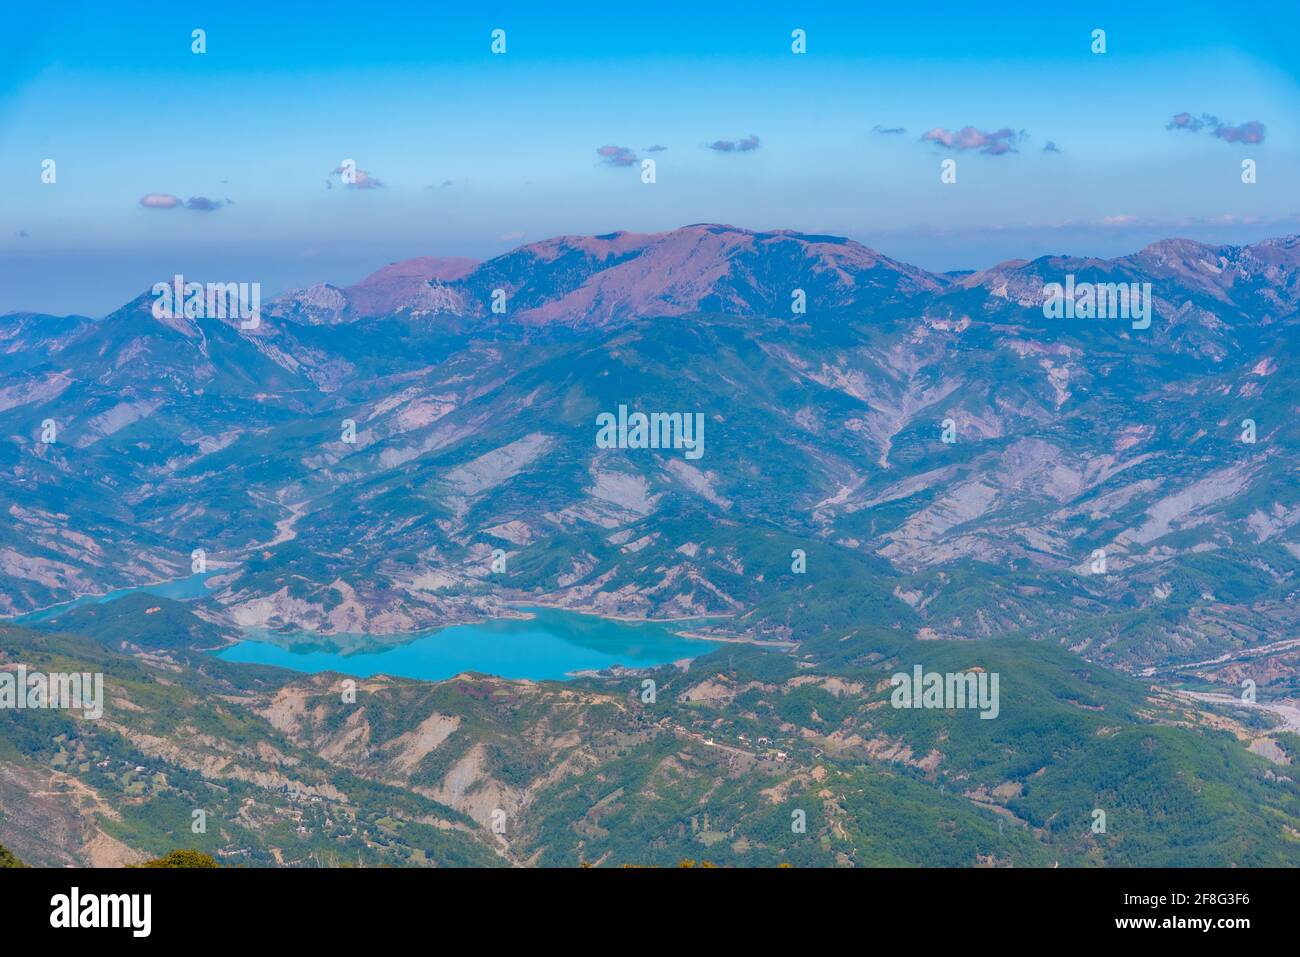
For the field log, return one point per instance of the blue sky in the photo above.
(477, 153)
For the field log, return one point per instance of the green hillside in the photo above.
(748, 756)
(7, 858)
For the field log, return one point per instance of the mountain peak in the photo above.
(704, 267)
(408, 284)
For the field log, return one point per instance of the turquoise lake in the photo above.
(182, 589)
(550, 646)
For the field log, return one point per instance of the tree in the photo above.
(182, 858)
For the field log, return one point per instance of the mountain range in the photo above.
(965, 477)
(474, 430)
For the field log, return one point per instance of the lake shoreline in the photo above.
(524, 609)
(548, 644)
(627, 619)
(102, 598)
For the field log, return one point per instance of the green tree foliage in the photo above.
(182, 858)
(7, 858)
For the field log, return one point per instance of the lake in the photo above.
(549, 646)
(181, 589)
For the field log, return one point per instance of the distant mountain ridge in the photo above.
(601, 280)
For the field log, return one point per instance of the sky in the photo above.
(223, 165)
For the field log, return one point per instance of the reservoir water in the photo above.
(181, 589)
(549, 646)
